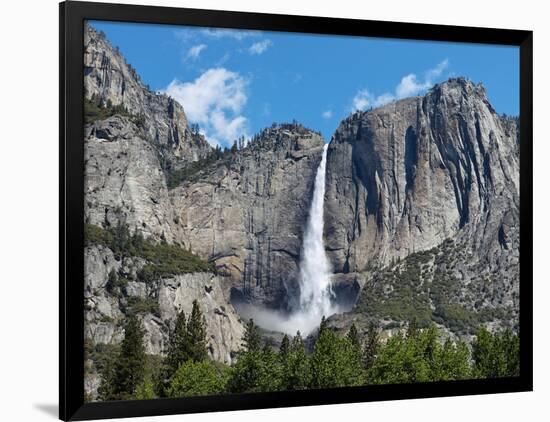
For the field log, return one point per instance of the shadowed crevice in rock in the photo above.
(411, 157)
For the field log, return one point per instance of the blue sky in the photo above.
(234, 82)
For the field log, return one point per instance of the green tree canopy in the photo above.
(334, 362)
(256, 371)
(199, 378)
(495, 355)
(145, 390)
(419, 357)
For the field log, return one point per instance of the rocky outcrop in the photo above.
(129, 154)
(407, 176)
(157, 304)
(124, 181)
(110, 81)
(247, 213)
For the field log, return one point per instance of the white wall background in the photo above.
(29, 210)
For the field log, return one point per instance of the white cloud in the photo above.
(437, 71)
(227, 129)
(214, 100)
(327, 114)
(223, 59)
(260, 47)
(409, 86)
(383, 99)
(362, 100)
(229, 33)
(184, 35)
(195, 51)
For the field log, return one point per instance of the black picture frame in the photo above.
(71, 182)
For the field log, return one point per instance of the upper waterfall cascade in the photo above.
(316, 295)
(315, 287)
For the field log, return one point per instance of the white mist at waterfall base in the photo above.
(314, 277)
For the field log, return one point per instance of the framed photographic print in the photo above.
(266, 210)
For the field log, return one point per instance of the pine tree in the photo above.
(252, 338)
(131, 366)
(137, 240)
(371, 345)
(353, 337)
(284, 349)
(412, 329)
(145, 390)
(196, 331)
(112, 281)
(258, 368)
(178, 347)
(495, 355)
(452, 362)
(323, 325)
(418, 358)
(334, 362)
(122, 377)
(106, 390)
(296, 371)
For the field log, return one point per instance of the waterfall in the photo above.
(314, 276)
(315, 288)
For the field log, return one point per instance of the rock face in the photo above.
(109, 80)
(124, 180)
(407, 176)
(129, 154)
(157, 304)
(248, 213)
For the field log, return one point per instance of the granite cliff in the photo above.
(437, 173)
(137, 135)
